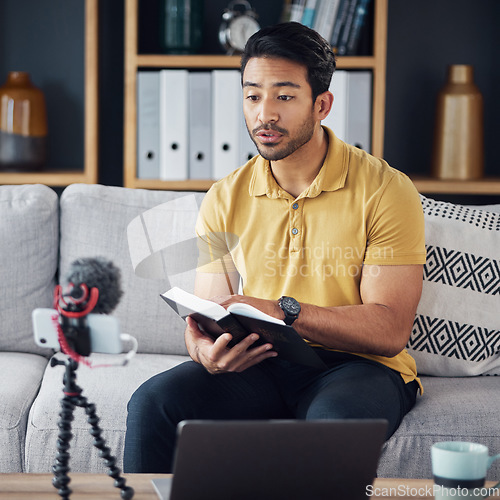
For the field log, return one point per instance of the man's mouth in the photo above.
(268, 136)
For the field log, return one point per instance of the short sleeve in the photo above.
(214, 243)
(396, 229)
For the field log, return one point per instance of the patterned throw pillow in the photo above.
(456, 331)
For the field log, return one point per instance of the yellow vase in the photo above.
(458, 151)
(23, 124)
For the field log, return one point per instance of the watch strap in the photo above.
(290, 316)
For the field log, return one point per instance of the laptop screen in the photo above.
(288, 459)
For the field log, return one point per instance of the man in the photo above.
(330, 239)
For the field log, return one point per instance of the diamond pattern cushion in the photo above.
(457, 327)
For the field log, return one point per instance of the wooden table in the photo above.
(100, 487)
(83, 486)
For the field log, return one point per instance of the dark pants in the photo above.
(352, 387)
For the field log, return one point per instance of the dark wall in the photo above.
(423, 39)
(46, 38)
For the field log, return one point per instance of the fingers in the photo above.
(221, 359)
(196, 341)
(256, 356)
(217, 357)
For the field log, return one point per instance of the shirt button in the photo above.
(295, 231)
(295, 206)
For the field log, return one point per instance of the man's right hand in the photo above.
(217, 357)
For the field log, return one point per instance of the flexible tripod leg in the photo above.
(104, 451)
(61, 467)
(73, 397)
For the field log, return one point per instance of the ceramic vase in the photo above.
(23, 124)
(458, 151)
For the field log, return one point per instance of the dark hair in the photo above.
(298, 43)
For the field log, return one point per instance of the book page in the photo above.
(195, 304)
(251, 312)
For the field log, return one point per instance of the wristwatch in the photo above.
(290, 307)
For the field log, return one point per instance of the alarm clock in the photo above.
(239, 23)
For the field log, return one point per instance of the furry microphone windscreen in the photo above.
(102, 274)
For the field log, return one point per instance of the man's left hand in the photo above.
(269, 307)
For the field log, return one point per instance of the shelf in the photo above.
(222, 61)
(135, 61)
(187, 185)
(89, 173)
(56, 178)
(486, 186)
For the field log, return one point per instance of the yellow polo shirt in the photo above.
(357, 211)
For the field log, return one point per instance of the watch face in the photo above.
(290, 305)
(240, 30)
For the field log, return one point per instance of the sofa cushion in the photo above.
(94, 222)
(160, 252)
(29, 225)
(109, 389)
(451, 409)
(21, 375)
(457, 326)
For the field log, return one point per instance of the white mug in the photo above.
(459, 466)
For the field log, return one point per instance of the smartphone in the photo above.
(104, 331)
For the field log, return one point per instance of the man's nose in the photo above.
(268, 111)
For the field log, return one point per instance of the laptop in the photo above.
(274, 459)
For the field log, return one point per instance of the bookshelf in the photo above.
(133, 61)
(486, 186)
(61, 178)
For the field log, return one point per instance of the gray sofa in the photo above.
(41, 234)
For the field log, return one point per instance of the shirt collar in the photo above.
(331, 177)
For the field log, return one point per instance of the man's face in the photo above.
(278, 107)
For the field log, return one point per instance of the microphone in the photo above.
(79, 323)
(93, 285)
(98, 273)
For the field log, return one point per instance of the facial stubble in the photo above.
(272, 152)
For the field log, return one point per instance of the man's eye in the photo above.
(252, 97)
(285, 97)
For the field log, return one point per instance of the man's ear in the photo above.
(323, 105)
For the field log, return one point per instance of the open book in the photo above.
(240, 320)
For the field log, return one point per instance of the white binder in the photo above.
(200, 125)
(148, 125)
(359, 110)
(173, 124)
(227, 101)
(247, 148)
(337, 119)
(350, 117)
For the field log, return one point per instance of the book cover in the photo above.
(325, 17)
(309, 13)
(346, 28)
(241, 320)
(297, 10)
(340, 20)
(358, 24)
